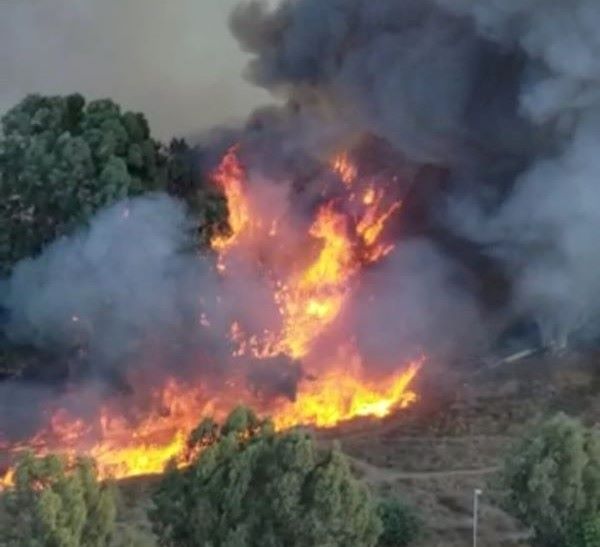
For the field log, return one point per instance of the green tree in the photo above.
(551, 481)
(61, 160)
(401, 525)
(57, 504)
(585, 532)
(249, 486)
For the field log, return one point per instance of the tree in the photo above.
(249, 486)
(401, 525)
(57, 504)
(205, 200)
(552, 483)
(61, 160)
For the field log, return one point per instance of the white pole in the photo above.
(476, 493)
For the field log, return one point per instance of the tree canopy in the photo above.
(401, 524)
(249, 486)
(552, 483)
(58, 504)
(61, 160)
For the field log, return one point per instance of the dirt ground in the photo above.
(436, 455)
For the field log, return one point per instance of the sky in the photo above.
(175, 61)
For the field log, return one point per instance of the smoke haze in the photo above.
(173, 61)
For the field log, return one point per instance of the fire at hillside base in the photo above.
(311, 281)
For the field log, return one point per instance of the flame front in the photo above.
(341, 394)
(314, 297)
(310, 293)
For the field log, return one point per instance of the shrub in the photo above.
(551, 481)
(252, 487)
(401, 525)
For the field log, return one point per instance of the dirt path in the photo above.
(380, 474)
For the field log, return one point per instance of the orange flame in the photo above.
(344, 168)
(341, 394)
(310, 294)
(314, 297)
(372, 224)
(229, 176)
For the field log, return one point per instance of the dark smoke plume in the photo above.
(505, 95)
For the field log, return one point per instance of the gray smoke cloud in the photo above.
(407, 70)
(125, 283)
(545, 230)
(173, 61)
(505, 94)
(416, 304)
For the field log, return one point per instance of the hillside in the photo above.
(436, 453)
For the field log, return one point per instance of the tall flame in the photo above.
(310, 294)
(229, 177)
(313, 298)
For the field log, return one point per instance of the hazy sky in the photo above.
(174, 60)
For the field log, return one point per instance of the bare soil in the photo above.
(436, 455)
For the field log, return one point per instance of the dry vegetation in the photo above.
(436, 455)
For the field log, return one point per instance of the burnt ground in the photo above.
(437, 452)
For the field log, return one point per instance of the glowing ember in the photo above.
(345, 169)
(310, 292)
(370, 196)
(7, 480)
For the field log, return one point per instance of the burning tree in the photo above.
(252, 486)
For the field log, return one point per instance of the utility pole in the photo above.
(476, 493)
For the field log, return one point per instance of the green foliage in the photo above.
(552, 482)
(585, 533)
(129, 536)
(253, 487)
(401, 525)
(61, 160)
(55, 504)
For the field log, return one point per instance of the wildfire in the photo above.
(310, 293)
(229, 176)
(372, 224)
(339, 395)
(344, 168)
(315, 296)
